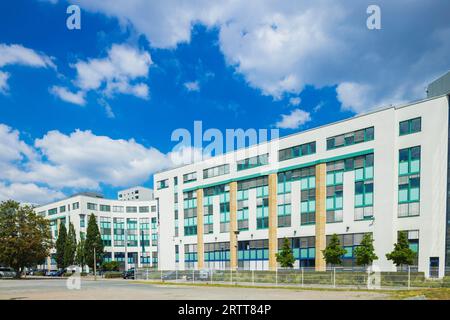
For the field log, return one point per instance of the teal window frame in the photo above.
(252, 162)
(410, 126)
(349, 138)
(297, 151)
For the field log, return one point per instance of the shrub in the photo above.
(113, 275)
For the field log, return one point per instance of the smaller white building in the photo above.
(135, 194)
(129, 228)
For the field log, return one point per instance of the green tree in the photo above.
(70, 246)
(285, 257)
(93, 240)
(80, 255)
(110, 266)
(61, 246)
(402, 253)
(25, 238)
(365, 252)
(333, 252)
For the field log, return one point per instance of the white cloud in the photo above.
(16, 54)
(284, 45)
(116, 72)
(29, 193)
(121, 71)
(81, 160)
(295, 101)
(192, 86)
(68, 96)
(293, 120)
(4, 82)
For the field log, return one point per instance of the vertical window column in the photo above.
(335, 188)
(409, 182)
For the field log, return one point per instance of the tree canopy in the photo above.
(402, 253)
(93, 240)
(333, 252)
(365, 252)
(25, 238)
(61, 246)
(285, 257)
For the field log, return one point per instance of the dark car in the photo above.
(128, 274)
(171, 275)
(56, 273)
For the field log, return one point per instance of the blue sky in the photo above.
(73, 118)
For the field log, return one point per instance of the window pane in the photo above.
(404, 127)
(416, 125)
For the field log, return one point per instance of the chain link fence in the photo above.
(405, 278)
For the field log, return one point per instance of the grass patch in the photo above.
(432, 294)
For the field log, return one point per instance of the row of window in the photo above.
(405, 127)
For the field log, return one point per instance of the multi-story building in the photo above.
(136, 193)
(129, 229)
(381, 173)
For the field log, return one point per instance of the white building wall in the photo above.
(431, 223)
(73, 216)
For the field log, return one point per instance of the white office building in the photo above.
(136, 193)
(129, 228)
(381, 173)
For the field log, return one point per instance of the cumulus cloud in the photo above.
(68, 96)
(121, 71)
(29, 193)
(77, 161)
(192, 86)
(293, 120)
(284, 45)
(16, 54)
(295, 101)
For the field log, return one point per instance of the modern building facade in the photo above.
(381, 173)
(136, 193)
(129, 229)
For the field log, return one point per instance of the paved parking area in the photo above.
(54, 289)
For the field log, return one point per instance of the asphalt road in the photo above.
(56, 289)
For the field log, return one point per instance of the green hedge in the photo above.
(112, 275)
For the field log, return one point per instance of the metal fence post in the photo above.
(231, 275)
(334, 277)
(193, 275)
(409, 277)
(253, 277)
(276, 276)
(146, 274)
(176, 275)
(303, 284)
(161, 275)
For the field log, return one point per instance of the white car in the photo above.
(7, 273)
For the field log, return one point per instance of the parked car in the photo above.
(129, 274)
(201, 275)
(171, 275)
(7, 273)
(56, 273)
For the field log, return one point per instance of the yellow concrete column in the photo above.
(321, 212)
(273, 221)
(200, 246)
(233, 226)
